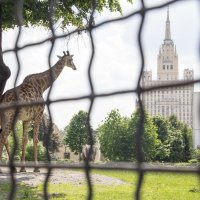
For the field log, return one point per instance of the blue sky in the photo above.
(117, 60)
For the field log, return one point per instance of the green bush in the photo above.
(196, 154)
(4, 156)
(30, 152)
(193, 161)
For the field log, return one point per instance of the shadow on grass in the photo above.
(57, 195)
(195, 190)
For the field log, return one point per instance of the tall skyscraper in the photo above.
(173, 100)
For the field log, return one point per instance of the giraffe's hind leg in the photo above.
(6, 128)
(24, 143)
(37, 122)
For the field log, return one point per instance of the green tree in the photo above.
(196, 155)
(162, 152)
(37, 13)
(150, 141)
(76, 133)
(55, 139)
(175, 139)
(53, 145)
(19, 136)
(116, 143)
(180, 140)
(187, 141)
(163, 127)
(163, 131)
(117, 137)
(176, 146)
(175, 123)
(41, 151)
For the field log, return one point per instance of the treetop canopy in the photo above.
(70, 12)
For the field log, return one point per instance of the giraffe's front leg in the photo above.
(1, 150)
(1, 146)
(35, 142)
(8, 150)
(9, 155)
(24, 143)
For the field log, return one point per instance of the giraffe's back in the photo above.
(22, 95)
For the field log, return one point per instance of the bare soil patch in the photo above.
(58, 176)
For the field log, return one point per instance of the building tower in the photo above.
(172, 100)
(167, 61)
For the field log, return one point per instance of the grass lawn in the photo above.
(158, 186)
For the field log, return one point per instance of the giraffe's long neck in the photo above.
(44, 80)
(49, 76)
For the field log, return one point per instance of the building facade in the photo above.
(176, 101)
(196, 120)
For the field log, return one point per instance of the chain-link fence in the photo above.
(140, 167)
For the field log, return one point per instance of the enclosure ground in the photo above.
(107, 185)
(57, 176)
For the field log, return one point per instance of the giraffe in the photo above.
(31, 90)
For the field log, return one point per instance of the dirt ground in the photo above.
(57, 176)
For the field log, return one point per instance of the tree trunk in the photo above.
(4, 70)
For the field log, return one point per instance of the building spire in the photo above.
(168, 13)
(167, 29)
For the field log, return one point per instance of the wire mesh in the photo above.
(141, 168)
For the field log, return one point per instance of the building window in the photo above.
(163, 66)
(167, 66)
(171, 66)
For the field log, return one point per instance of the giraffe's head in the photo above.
(68, 60)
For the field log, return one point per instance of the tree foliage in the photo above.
(163, 139)
(55, 139)
(71, 12)
(150, 140)
(196, 155)
(163, 127)
(19, 136)
(176, 139)
(53, 145)
(163, 130)
(41, 152)
(183, 139)
(47, 13)
(117, 137)
(76, 133)
(115, 140)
